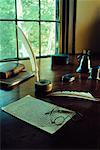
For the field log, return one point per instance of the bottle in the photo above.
(85, 62)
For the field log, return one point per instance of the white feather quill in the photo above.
(30, 52)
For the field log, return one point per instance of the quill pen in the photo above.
(30, 52)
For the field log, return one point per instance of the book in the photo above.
(11, 82)
(9, 69)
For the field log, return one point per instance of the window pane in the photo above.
(31, 30)
(28, 9)
(48, 9)
(7, 9)
(48, 38)
(57, 9)
(7, 40)
(57, 36)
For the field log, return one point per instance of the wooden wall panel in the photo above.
(88, 26)
(70, 34)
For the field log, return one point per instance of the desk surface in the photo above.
(84, 133)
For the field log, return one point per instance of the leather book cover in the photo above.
(10, 69)
(11, 82)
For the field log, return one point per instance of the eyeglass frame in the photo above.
(60, 117)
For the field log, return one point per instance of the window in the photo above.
(39, 19)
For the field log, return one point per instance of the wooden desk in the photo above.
(84, 133)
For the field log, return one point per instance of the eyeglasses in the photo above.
(59, 116)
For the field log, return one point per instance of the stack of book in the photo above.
(9, 70)
(12, 73)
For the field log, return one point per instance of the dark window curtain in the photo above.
(68, 22)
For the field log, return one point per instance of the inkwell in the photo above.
(42, 86)
(84, 62)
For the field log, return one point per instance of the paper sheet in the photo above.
(33, 111)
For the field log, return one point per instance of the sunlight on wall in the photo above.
(88, 25)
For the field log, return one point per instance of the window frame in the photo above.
(16, 20)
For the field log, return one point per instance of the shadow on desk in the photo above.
(83, 134)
